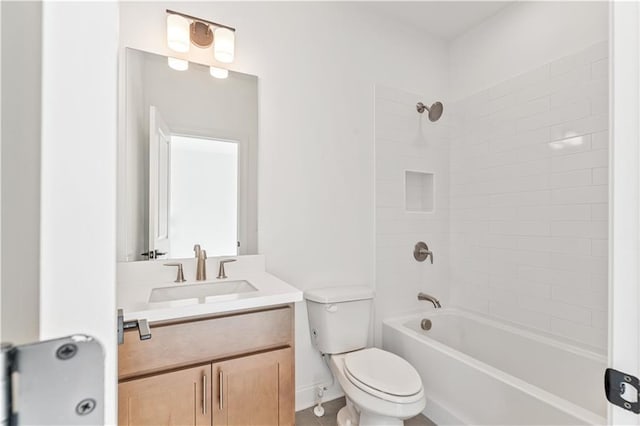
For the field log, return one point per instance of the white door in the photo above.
(159, 183)
(624, 229)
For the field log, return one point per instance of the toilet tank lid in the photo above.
(339, 294)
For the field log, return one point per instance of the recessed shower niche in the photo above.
(419, 191)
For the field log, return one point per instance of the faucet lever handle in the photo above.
(180, 276)
(221, 272)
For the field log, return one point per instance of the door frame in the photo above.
(624, 196)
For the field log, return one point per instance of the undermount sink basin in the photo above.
(200, 293)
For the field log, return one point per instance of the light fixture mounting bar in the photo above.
(215, 24)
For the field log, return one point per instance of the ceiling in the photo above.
(443, 19)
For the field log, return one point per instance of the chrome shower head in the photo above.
(435, 110)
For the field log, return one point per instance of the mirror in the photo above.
(187, 161)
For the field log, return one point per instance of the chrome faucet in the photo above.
(221, 273)
(429, 298)
(201, 263)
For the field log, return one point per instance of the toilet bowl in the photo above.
(380, 387)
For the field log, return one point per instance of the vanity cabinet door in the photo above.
(254, 390)
(181, 397)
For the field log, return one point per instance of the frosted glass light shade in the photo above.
(218, 72)
(178, 33)
(178, 64)
(224, 41)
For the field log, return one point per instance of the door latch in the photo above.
(142, 325)
(152, 254)
(58, 381)
(622, 390)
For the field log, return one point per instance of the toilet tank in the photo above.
(339, 317)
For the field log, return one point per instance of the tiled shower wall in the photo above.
(412, 204)
(528, 206)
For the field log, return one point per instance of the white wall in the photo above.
(21, 74)
(317, 65)
(79, 131)
(520, 38)
(528, 203)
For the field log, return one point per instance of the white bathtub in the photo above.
(479, 371)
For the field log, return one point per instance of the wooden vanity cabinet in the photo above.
(174, 398)
(234, 369)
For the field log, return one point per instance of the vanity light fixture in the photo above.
(218, 72)
(184, 29)
(178, 33)
(178, 64)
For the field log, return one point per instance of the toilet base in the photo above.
(349, 416)
(345, 418)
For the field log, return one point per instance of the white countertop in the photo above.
(136, 280)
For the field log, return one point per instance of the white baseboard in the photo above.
(306, 396)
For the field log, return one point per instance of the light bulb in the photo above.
(178, 64)
(218, 72)
(224, 45)
(178, 33)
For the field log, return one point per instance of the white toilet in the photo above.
(380, 387)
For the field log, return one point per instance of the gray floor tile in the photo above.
(331, 408)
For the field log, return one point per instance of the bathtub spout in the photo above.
(427, 297)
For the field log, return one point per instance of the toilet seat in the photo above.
(384, 375)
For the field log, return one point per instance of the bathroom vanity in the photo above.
(223, 360)
(196, 351)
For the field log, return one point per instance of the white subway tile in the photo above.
(524, 255)
(519, 82)
(573, 262)
(560, 212)
(519, 228)
(601, 176)
(570, 179)
(590, 229)
(579, 246)
(581, 195)
(500, 241)
(580, 296)
(569, 146)
(528, 193)
(580, 333)
(532, 198)
(582, 126)
(597, 51)
(599, 319)
(556, 309)
(600, 105)
(389, 194)
(514, 313)
(582, 160)
(530, 288)
(503, 295)
(600, 280)
(533, 137)
(535, 274)
(600, 140)
(600, 69)
(600, 211)
(600, 248)
(586, 91)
